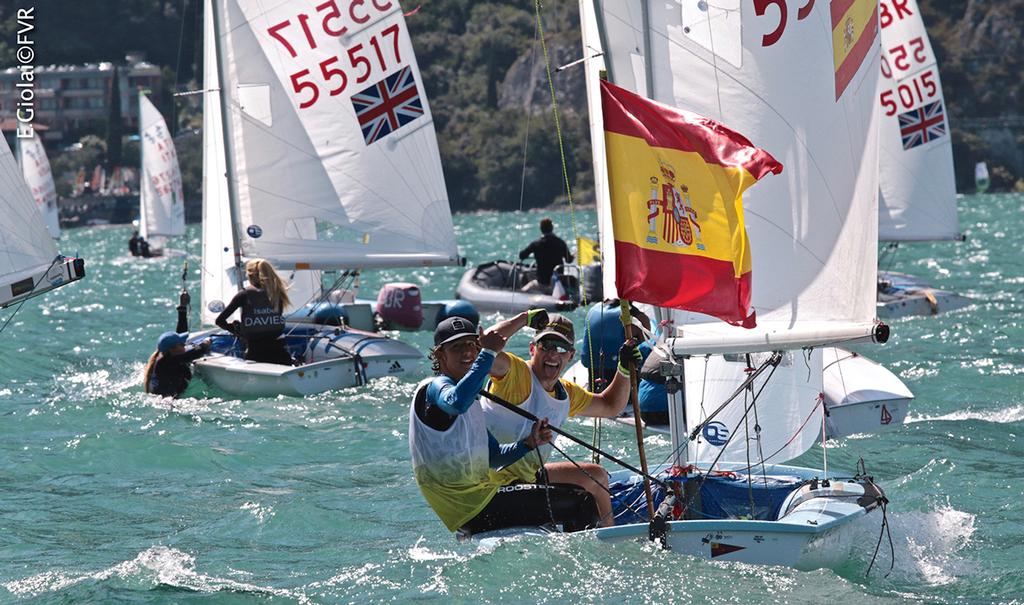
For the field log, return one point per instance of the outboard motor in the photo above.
(593, 286)
(400, 305)
(569, 277)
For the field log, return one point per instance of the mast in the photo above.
(648, 72)
(229, 149)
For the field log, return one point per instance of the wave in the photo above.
(157, 566)
(1003, 416)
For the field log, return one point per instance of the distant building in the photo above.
(68, 97)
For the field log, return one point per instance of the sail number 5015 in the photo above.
(909, 94)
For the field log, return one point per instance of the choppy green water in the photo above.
(109, 496)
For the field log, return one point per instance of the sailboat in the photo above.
(803, 85)
(35, 167)
(917, 197)
(981, 181)
(319, 154)
(29, 262)
(161, 202)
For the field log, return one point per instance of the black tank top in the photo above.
(259, 318)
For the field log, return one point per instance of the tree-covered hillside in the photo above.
(486, 81)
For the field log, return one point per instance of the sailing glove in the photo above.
(629, 354)
(537, 318)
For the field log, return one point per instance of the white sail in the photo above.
(26, 247)
(35, 166)
(332, 135)
(162, 205)
(785, 86)
(219, 277)
(917, 197)
(783, 423)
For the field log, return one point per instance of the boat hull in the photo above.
(497, 295)
(337, 358)
(819, 526)
(861, 396)
(906, 296)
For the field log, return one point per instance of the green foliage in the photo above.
(466, 50)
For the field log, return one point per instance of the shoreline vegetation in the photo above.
(488, 90)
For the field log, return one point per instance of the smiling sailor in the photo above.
(536, 386)
(452, 451)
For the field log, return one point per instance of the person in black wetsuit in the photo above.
(169, 371)
(133, 244)
(550, 251)
(262, 323)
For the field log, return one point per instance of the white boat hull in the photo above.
(256, 379)
(818, 527)
(507, 299)
(906, 296)
(338, 358)
(861, 396)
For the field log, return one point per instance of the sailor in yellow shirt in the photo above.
(536, 386)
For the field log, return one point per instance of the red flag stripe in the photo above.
(662, 125)
(695, 283)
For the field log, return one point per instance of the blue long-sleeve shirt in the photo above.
(454, 398)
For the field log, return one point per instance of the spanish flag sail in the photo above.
(676, 181)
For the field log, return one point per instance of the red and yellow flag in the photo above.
(676, 181)
(854, 28)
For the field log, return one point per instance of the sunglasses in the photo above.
(552, 346)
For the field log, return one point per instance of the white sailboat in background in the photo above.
(319, 153)
(917, 196)
(35, 167)
(804, 88)
(981, 181)
(161, 202)
(29, 262)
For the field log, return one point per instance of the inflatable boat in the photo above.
(497, 286)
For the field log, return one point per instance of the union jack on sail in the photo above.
(922, 125)
(388, 105)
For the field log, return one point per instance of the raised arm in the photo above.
(535, 318)
(455, 398)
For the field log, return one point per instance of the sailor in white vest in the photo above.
(452, 451)
(536, 386)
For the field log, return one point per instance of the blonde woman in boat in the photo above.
(261, 323)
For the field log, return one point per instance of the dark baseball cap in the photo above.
(558, 326)
(453, 328)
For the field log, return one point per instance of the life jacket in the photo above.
(451, 466)
(507, 426)
(260, 320)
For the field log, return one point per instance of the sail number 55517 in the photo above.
(332, 74)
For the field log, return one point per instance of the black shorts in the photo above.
(533, 504)
(269, 350)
